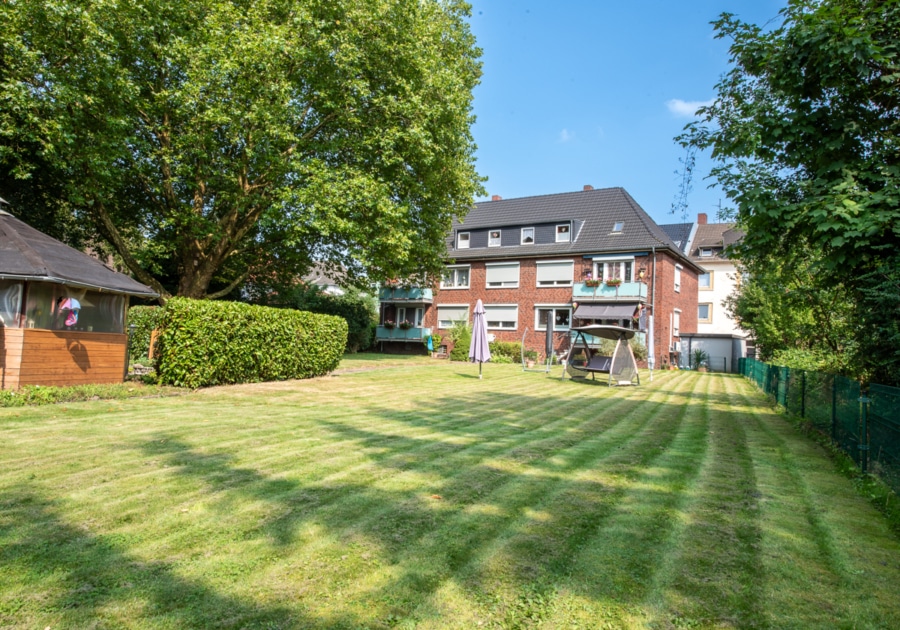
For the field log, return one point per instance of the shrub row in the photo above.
(204, 343)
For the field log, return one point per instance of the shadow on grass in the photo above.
(413, 531)
(519, 500)
(89, 573)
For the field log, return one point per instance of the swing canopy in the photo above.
(585, 359)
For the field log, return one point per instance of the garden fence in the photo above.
(864, 424)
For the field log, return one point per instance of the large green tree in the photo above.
(208, 141)
(804, 132)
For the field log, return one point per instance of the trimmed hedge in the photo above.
(204, 343)
(144, 319)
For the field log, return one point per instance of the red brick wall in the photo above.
(528, 295)
(667, 300)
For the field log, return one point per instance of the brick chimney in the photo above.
(701, 218)
(496, 198)
(588, 187)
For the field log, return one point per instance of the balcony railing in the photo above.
(626, 290)
(387, 294)
(401, 334)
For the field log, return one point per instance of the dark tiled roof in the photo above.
(593, 214)
(680, 233)
(29, 254)
(715, 236)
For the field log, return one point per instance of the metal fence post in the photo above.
(833, 408)
(802, 393)
(787, 385)
(864, 435)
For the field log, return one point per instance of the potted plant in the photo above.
(405, 325)
(613, 282)
(530, 358)
(590, 281)
(700, 359)
(389, 324)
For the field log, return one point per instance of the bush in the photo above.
(511, 350)
(358, 310)
(461, 335)
(205, 343)
(46, 395)
(144, 319)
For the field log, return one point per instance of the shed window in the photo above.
(10, 302)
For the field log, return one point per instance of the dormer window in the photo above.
(562, 233)
(494, 238)
(462, 240)
(617, 227)
(706, 252)
(527, 236)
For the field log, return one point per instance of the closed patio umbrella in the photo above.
(479, 350)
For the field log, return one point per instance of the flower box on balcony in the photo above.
(613, 282)
(592, 283)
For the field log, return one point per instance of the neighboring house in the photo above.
(593, 256)
(717, 333)
(62, 312)
(320, 277)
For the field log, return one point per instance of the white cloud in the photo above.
(566, 136)
(686, 109)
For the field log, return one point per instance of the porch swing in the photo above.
(584, 356)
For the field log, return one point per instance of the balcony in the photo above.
(401, 334)
(423, 296)
(627, 291)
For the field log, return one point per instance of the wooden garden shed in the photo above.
(62, 312)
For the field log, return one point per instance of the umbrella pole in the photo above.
(479, 368)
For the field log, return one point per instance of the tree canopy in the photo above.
(804, 134)
(208, 141)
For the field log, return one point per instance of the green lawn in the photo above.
(404, 492)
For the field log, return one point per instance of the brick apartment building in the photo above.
(593, 256)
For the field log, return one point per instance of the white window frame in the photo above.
(463, 243)
(522, 241)
(677, 287)
(604, 268)
(495, 242)
(502, 284)
(453, 269)
(708, 287)
(446, 324)
(676, 322)
(556, 282)
(709, 313)
(563, 233)
(553, 308)
(706, 252)
(417, 315)
(498, 323)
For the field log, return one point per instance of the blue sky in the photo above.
(579, 92)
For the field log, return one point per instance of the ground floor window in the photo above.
(561, 316)
(449, 313)
(501, 316)
(413, 316)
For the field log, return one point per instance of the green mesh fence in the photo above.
(845, 427)
(834, 405)
(884, 434)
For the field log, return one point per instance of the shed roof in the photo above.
(29, 254)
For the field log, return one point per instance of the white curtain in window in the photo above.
(10, 302)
